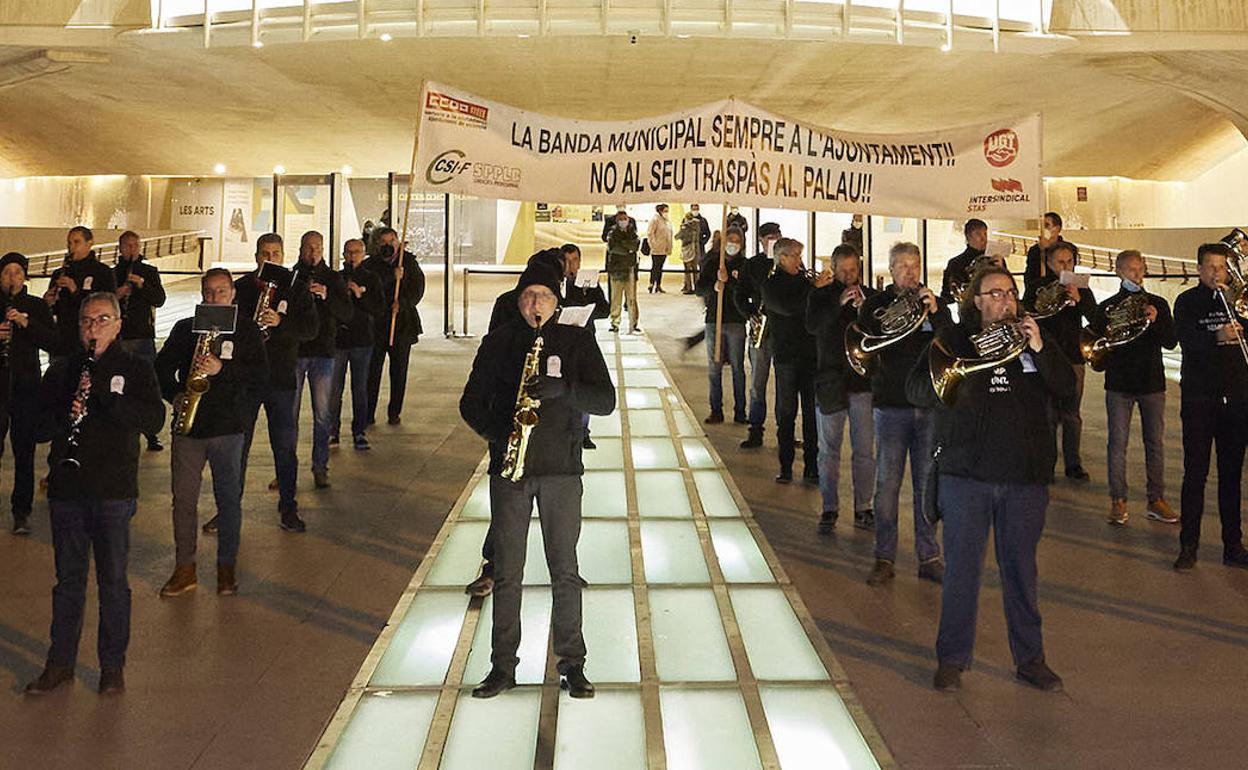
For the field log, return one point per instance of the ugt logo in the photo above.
(1001, 147)
(446, 167)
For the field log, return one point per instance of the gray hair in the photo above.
(102, 296)
(901, 249)
(787, 247)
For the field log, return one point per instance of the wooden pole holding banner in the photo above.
(719, 295)
(407, 213)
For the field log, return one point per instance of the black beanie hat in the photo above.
(538, 273)
(552, 258)
(14, 258)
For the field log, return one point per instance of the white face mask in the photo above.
(732, 249)
(1131, 286)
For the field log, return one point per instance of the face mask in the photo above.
(694, 212)
(732, 249)
(386, 252)
(621, 223)
(1131, 286)
(767, 249)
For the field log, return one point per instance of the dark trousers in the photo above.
(224, 456)
(78, 527)
(19, 421)
(1207, 423)
(357, 359)
(1015, 513)
(146, 350)
(794, 383)
(279, 410)
(1070, 421)
(399, 356)
(559, 511)
(656, 269)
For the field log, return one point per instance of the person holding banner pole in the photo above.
(404, 283)
(725, 325)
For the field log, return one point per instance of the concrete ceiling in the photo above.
(164, 105)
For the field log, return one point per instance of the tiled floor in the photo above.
(700, 647)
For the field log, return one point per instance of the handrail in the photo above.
(1159, 267)
(43, 263)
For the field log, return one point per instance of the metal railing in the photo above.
(1100, 259)
(43, 263)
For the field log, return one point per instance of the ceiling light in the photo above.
(279, 169)
(385, 37)
(523, 35)
(219, 168)
(258, 44)
(682, 37)
(347, 170)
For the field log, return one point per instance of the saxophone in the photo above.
(756, 325)
(78, 409)
(196, 386)
(264, 302)
(524, 418)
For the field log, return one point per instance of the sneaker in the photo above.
(864, 519)
(394, 419)
(51, 678)
(1118, 513)
(495, 683)
(182, 581)
(577, 685)
(227, 581)
(1187, 559)
(1238, 558)
(1077, 474)
(933, 571)
(112, 681)
(1040, 676)
(361, 443)
(948, 678)
(827, 522)
(754, 440)
(321, 479)
(334, 441)
(714, 418)
(210, 526)
(785, 476)
(291, 521)
(21, 525)
(588, 443)
(1160, 510)
(881, 573)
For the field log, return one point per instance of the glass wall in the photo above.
(793, 224)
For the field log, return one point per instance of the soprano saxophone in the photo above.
(196, 386)
(524, 418)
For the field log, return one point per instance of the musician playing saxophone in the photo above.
(901, 428)
(995, 455)
(233, 364)
(104, 405)
(1135, 376)
(1064, 327)
(571, 380)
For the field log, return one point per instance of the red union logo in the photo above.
(444, 103)
(1001, 147)
(1007, 185)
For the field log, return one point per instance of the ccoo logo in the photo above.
(446, 167)
(1001, 147)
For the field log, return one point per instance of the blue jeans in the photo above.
(320, 376)
(898, 432)
(358, 359)
(279, 410)
(78, 527)
(224, 456)
(1118, 407)
(1015, 512)
(734, 355)
(760, 371)
(862, 444)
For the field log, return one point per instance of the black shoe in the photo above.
(484, 584)
(576, 684)
(810, 476)
(51, 678)
(932, 571)
(1077, 474)
(154, 445)
(740, 419)
(784, 477)
(1187, 559)
(112, 681)
(753, 441)
(210, 526)
(881, 573)
(334, 441)
(686, 291)
(321, 479)
(714, 418)
(291, 521)
(361, 443)
(1040, 676)
(948, 677)
(864, 519)
(21, 525)
(615, 329)
(588, 443)
(827, 522)
(372, 420)
(1237, 558)
(495, 682)
(393, 419)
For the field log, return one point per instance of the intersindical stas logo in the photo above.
(1001, 147)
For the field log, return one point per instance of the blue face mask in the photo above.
(1131, 286)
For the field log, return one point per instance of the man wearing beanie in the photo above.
(572, 380)
(506, 307)
(25, 329)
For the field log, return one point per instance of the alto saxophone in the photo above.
(524, 418)
(264, 302)
(196, 386)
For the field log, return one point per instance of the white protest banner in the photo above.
(726, 151)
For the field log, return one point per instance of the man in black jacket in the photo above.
(995, 457)
(93, 406)
(290, 320)
(840, 392)
(712, 281)
(749, 299)
(1214, 387)
(572, 379)
(234, 365)
(784, 295)
(959, 270)
(901, 427)
(401, 317)
(26, 329)
(1066, 327)
(81, 275)
(140, 292)
(1135, 375)
(1051, 235)
(316, 356)
(354, 343)
(506, 305)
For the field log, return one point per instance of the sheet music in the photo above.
(576, 315)
(586, 278)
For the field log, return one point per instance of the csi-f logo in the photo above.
(447, 166)
(1001, 147)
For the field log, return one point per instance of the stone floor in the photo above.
(1152, 660)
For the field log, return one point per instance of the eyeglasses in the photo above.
(87, 321)
(999, 294)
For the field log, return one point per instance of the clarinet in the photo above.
(78, 410)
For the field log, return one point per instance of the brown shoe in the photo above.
(881, 574)
(273, 485)
(227, 584)
(112, 681)
(51, 678)
(1160, 510)
(1118, 513)
(182, 581)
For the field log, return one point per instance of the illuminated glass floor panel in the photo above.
(700, 664)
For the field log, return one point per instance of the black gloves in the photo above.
(546, 388)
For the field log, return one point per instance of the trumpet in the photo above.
(268, 292)
(897, 320)
(1124, 322)
(995, 346)
(524, 418)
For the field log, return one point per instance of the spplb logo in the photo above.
(1001, 147)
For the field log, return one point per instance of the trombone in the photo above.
(1239, 332)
